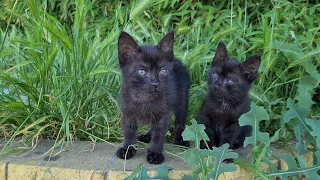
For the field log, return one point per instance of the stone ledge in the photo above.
(78, 162)
(18, 172)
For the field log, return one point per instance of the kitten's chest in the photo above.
(221, 113)
(221, 117)
(147, 113)
(221, 121)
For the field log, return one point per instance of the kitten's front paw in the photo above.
(144, 138)
(121, 153)
(181, 142)
(154, 158)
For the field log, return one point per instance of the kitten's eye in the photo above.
(142, 72)
(230, 81)
(163, 71)
(214, 75)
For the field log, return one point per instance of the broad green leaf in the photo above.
(309, 174)
(221, 154)
(299, 113)
(291, 162)
(294, 169)
(300, 145)
(195, 132)
(162, 173)
(315, 126)
(305, 90)
(274, 138)
(255, 170)
(311, 69)
(295, 112)
(189, 177)
(289, 50)
(195, 157)
(139, 169)
(304, 58)
(252, 118)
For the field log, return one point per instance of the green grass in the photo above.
(59, 58)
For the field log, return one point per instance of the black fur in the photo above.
(154, 85)
(229, 82)
(146, 138)
(123, 154)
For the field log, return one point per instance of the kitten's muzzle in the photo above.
(155, 85)
(218, 85)
(214, 87)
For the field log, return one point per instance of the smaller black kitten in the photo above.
(154, 84)
(229, 82)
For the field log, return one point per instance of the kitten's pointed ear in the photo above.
(128, 49)
(251, 66)
(221, 53)
(166, 43)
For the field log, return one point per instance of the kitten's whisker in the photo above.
(233, 102)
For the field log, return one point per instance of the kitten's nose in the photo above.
(215, 86)
(155, 84)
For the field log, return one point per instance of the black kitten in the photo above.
(229, 82)
(154, 84)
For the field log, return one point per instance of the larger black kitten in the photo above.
(154, 85)
(229, 82)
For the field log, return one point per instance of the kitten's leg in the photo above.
(160, 129)
(235, 136)
(146, 138)
(229, 135)
(180, 113)
(130, 137)
(244, 131)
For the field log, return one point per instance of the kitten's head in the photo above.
(145, 68)
(229, 81)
